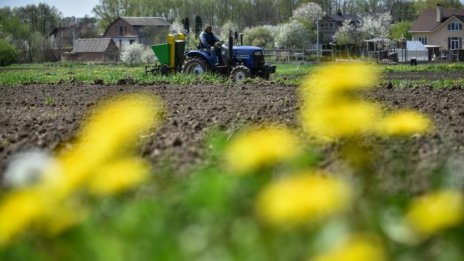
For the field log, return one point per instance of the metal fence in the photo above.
(297, 55)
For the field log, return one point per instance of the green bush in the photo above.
(8, 53)
(261, 36)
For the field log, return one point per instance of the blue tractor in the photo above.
(240, 62)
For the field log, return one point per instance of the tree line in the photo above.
(249, 13)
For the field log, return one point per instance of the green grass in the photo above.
(286, 74)
(49, 73)
(54, 73)
(430, 67)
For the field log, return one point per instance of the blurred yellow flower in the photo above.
(340, 120)
(302, 198)
(404, 123)
(329, 109)
(62, 216)
(259, 147)
(342, 76)
(19, 210)
(109, 135)
(355, 248)
(435, 212)
(102, 160)
(118, 176)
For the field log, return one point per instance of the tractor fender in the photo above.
(200, 54)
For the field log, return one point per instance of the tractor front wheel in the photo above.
(195, 66)
(239, 73)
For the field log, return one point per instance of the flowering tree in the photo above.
(349, 34)
(372, 26)
(177, 27)
(307, 12)
(376, 25)
(293, 34)
(262, 36)
(137, 54)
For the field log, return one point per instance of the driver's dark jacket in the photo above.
(207, 39)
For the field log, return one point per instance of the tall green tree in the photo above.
(41, 18)
(400, 31)
(426, 4)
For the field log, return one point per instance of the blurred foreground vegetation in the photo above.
(259, 195)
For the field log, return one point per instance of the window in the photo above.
(121, 30)
(322, 24)
(331, 25)
(423, 40)
(454, 43)
(455, 26)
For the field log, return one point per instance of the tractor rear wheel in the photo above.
(195, 66)
(239, 73)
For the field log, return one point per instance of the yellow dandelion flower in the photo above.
(259, 147)
(117, 124)
(110, 133)
(102, 159)
(342, 77)
(305, 197)
(18, 211)
(118, 176)
(340, 120)
(404, 123)
(356, 248)
(435, 212)
(62, 217)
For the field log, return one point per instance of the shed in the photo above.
(94, 50)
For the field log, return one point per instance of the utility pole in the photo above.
(317, 37)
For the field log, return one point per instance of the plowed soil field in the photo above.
(47, 117)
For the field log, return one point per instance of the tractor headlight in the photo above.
(258, 53)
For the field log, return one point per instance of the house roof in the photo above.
(91, 45)
(427, 21)
(145, 21)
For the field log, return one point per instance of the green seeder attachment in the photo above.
(162, 52)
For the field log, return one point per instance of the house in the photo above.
(439, 28)
(100, 50)
(329, 25)
(144, 30)
(63, 37)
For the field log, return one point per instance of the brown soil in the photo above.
(47, 116)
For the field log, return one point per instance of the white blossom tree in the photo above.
(177, 27)
(349, 34)
(377, 25)
(292, 35)
(262, 36)
(307, 12)
(133, 54)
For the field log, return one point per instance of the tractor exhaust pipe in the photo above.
(231, 45)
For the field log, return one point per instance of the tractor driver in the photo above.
(208, 39)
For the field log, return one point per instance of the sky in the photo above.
(77, 8)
